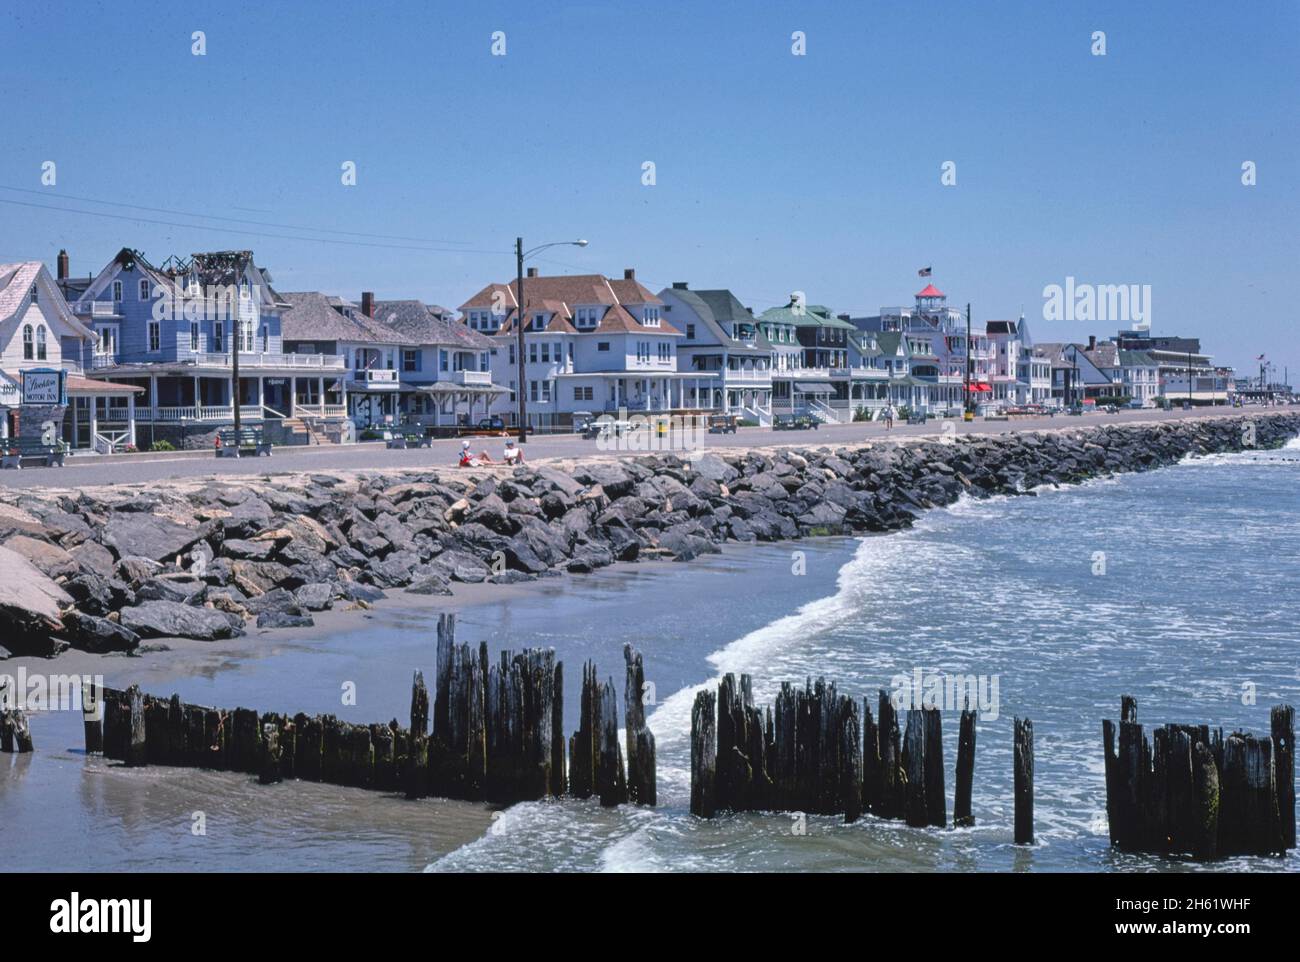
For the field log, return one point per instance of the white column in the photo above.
(198, 397)
(261, 394)
(153, 396)
(94, 424)
(130, 419)
(321, 397)
(293, 394)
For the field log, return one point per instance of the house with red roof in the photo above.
(592, 344)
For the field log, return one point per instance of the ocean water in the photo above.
(1178, 586)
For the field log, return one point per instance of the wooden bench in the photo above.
(13, 451)
(232, 445)
(407, 436)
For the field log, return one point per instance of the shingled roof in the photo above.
(313, 316)
(416, 323)
(560, 295)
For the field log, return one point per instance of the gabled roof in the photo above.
(416, 323)
(717, 307)
(811, 315)
(1136, 359)
(561, 295)
(313, 316)
(16, 282)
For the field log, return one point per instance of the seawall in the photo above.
(103, 569)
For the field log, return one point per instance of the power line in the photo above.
(250, 233)
(234, 220)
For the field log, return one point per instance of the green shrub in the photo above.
(162, 444)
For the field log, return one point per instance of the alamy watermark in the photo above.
(922, 689)
(650, 432)
(35, 691)
(1128, 303)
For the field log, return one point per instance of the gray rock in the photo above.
(315, 597)
(247, 550)
(282, 619)
(97, 635)
(277, 599)
(167, 619)
(430, 585)
(148, 536)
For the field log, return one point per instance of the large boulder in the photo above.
(50, 558)
(139, 535)
(29, 598)
(97, 635)
(168, 619)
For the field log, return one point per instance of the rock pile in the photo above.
(102, 569)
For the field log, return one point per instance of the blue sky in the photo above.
(774, 172)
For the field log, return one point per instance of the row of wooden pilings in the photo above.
(496, 735)
(1190, 791)
(812, 754)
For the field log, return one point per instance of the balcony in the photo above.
(746, 375)
(469, 378)
(277, 362)
(375, 379)
(105, 309)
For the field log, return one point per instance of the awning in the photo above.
(814, 387)
(90, 387)
(446, 387)
(980, 387)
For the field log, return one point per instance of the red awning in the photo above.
(980, 386)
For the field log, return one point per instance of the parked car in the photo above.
(793, 422)
(723, 423)
(493, 423)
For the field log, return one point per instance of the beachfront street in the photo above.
(85, 470)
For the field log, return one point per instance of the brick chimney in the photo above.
(679, 285)
(368, 303)
(532, 272)
(1092, 342)
(629, 273)
(63, 265)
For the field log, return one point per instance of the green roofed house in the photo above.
(721, 338)
(820, 383)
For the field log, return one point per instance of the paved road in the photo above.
(88, 471)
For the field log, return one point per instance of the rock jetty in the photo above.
(104, 569)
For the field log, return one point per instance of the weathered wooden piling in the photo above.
(704, 755)
(1190, 791)
(914, 804)
(850, 760)
(936, 802)
(611, 777)
(742, 780)
(1024, 781)
(871, 775)
(269, 767)
(15, 733)
(965, 776)
(893, 782)
(1204, 826)
(136, 745)
(92, 714)
(640, 740)
(1282, 724)
(496, 734)
(559, 777)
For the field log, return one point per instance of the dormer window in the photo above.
(539, 322)
(651, 316)
(35, 299)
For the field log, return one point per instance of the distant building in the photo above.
(594, 344)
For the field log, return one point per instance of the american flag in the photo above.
(923, 272)
(1260, 358)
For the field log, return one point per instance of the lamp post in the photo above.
(520, 322)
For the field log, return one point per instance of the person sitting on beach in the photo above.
(513, 454)
(468, 460)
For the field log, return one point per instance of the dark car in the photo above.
(494, 423)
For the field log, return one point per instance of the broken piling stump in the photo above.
(1023, 762)
(965, 776)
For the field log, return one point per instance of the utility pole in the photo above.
(519, 330)
(969, 360)
(1189, 379)
(238, 331)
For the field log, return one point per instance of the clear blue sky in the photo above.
(774, 172)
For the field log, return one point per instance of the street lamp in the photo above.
(520, 256)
